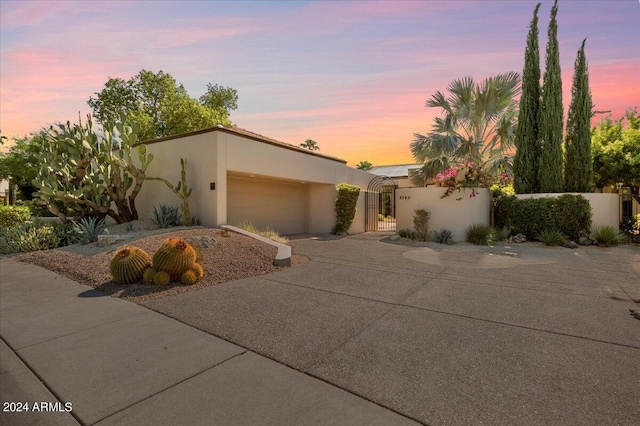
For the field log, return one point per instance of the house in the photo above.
(237, 176)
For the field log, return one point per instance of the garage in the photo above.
(281, 205)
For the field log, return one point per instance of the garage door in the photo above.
(282, 206)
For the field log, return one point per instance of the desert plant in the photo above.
(183, 192)
(148, 275)
(161, 278)
(345, 206)
(480, 234)
(11, 216)
(89, 229)
(421, 224)
(128, 264)
(443, 236)
(607, 235)
(407, 233)
(381, 217)
(189, 277)
(197, 269)
(551, 237)
(167, 216)
(175, 256)
(90, 171)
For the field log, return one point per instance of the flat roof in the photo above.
(249, 135)
(394, 170)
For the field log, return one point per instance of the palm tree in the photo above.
(478, 126)
(364, 166)
(310, 144)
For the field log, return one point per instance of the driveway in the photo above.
(459, 334)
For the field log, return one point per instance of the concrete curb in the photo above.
(283, 257)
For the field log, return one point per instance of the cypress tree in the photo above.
(578, 164)
(526, 160)
(551, 115)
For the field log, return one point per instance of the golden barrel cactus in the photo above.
(189, 277)
(128, 264)
(161, 278)
(175, 256)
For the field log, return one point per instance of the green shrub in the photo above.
(167, 216)
(345, 206)
(89, 229)
(551, 237)
(11, 216)
(32, 236)
(569, 214)
(381, 217)
(421, 224)
(407, 233)
(443, 236)
(607, 235)
(480, 234)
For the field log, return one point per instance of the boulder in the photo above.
(394, 237)
(520, 238)
(105, 240)
(571, 245)
(585, 241)
(201, 241)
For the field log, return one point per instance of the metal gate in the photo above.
(380, 200)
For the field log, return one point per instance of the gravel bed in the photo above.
(234, 257)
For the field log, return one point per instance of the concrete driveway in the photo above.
(458, 334)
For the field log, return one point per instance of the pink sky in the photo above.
(354, 76)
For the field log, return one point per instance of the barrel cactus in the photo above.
(147, 276)
(128, 264)
(175, 257)
(161, 278)
(197, 268)
(189, 277)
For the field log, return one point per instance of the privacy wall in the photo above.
(455, 212)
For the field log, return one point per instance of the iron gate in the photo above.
(380, 200)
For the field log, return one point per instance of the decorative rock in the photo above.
(635, 313)
(571, 245)
(105, 240)
(394, 237)
(201, 241)
(585, 241)
(520, 238)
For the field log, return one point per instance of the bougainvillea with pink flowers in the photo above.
(468, 175)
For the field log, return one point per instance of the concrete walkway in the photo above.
(116, 363)
(366, 330)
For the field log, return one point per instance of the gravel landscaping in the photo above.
(233, 257)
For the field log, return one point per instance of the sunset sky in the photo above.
(353, 76)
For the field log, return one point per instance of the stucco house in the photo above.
(237, 175)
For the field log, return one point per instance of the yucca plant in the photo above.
(607, 235)
(480, 234)
(89, 229)
(443, 236)
(167, 216)
(551, 237)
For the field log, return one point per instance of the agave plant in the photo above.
(167, 216)
(89, 229)
(443, 236)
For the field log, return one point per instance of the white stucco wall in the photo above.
(605, 209)
(448, 212)
(216, 155)
(201, 152)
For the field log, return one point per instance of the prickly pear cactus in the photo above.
(128, 264)
(175, 257)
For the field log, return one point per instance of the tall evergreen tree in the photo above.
(551, 115)
(527, 158)
(578, 163)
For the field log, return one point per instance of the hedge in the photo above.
(345, 206)
(569, 214)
